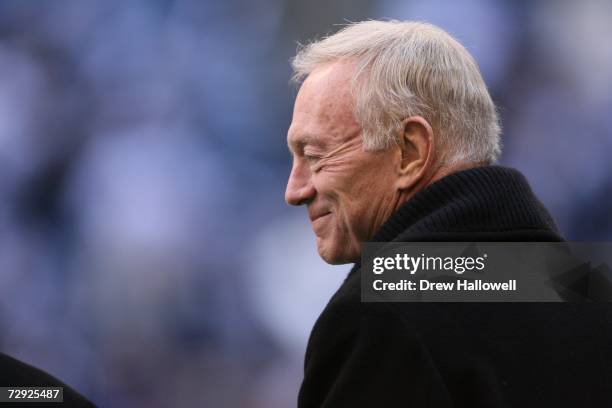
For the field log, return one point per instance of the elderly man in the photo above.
(394, 137)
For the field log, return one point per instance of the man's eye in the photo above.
(314, 162)
(310, 158)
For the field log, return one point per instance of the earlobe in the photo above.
(416, 143)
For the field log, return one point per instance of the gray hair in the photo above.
(405, 69)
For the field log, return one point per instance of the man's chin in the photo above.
(333, 255)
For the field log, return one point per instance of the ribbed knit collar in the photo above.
(491, 199)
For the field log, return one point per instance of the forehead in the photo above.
(323, 112)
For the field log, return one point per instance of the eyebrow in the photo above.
(303, 140)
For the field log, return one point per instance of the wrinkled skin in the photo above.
(349, 192)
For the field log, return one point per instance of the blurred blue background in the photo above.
(147, 256)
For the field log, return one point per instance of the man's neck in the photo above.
(430, 178)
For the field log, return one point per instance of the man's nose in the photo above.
(300, 189)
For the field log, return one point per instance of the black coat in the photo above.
(461, 354)
(14, 373)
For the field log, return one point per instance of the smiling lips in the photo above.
(314, 217)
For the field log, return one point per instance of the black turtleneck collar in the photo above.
(490, 203)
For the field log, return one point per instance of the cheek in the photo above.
(364, 203)
(342, 193)
(329, 185)
(351, 214)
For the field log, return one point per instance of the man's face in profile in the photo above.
(349, 192)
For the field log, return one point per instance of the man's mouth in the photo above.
(318, 216)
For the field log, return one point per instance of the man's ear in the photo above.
(416, 142)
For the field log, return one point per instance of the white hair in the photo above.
(409, 68)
